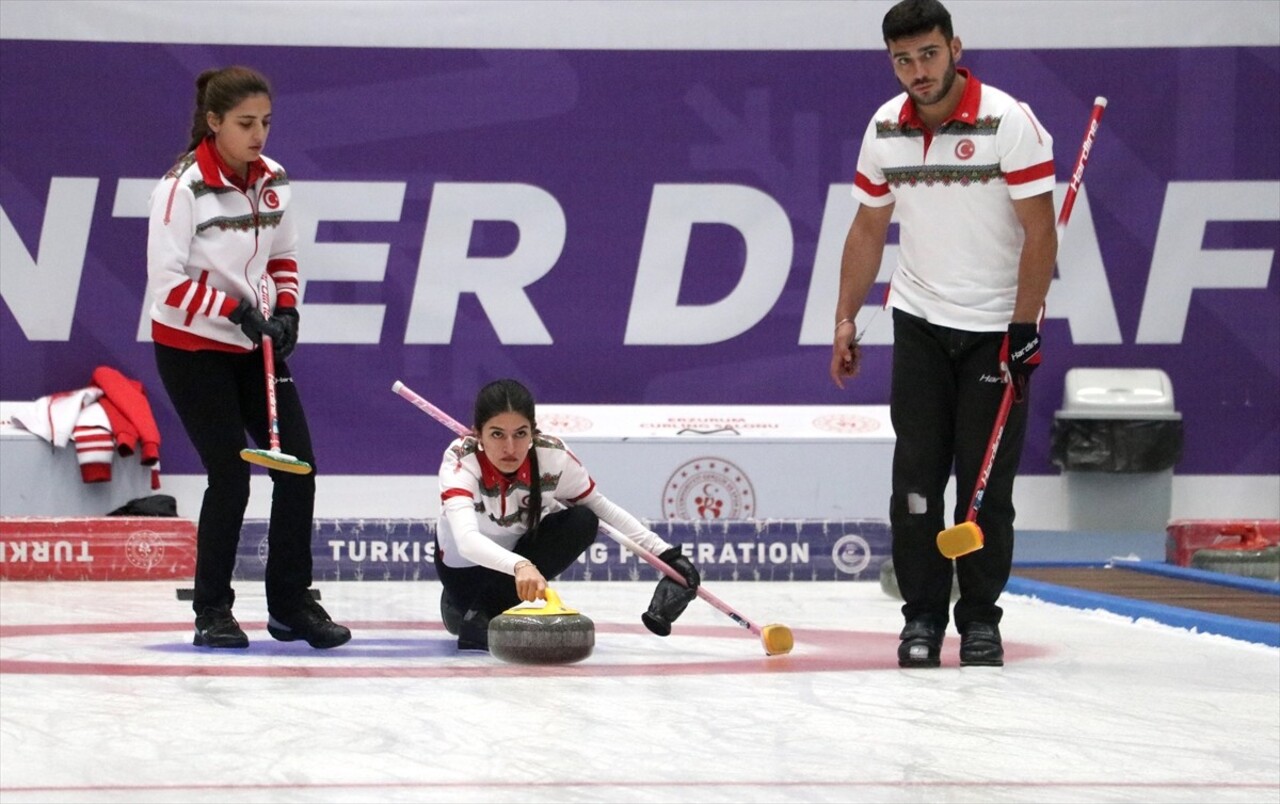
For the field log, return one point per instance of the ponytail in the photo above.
(535, 488)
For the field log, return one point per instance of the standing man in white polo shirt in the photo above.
(969, 171)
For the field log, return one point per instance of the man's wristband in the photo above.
(844, 321)
(519, 564)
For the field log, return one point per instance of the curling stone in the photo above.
(1263, 564)
(889, 581)
(547, 634)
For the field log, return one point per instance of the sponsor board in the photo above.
(96, 548)
(734, 550)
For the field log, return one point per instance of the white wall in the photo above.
(645, 24)
(1041, 501)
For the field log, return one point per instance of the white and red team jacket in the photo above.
(109, 417)
(208, 243)
(960, 240)
(484, 509)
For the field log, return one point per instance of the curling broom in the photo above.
(967, 537)
(272, 458)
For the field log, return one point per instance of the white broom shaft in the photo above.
(657, 563)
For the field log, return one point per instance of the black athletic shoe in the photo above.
(216, 628)
(921, 644)
(450, 613)
(308, 621)
(473, 631)
(981, 646)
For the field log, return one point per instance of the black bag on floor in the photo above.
(155, 505)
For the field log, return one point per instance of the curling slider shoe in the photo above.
(547, 634)
(274, 459)
(960, 540)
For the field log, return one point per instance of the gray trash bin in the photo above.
(1117, 439)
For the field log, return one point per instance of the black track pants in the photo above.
(219, 396)
(561, 538)
(945, 394)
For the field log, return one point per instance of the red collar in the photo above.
(493, 477)
(216, 171)
(966, 110)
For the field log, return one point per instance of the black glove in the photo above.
(1019, 356)
(253, 325)
(670, 599)
(287, 318)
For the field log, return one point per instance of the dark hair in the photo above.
(916, 17)
(503, 396)
(219, 91)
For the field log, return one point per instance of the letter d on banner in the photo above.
(657, 317)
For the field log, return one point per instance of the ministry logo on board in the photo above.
(144, 549)
(846, 423)
(560, 423)
(708, 488)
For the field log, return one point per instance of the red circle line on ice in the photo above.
(816, 650)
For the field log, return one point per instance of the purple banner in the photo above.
(633, 227)
(739, 550)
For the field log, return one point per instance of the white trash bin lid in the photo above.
(1098, 393)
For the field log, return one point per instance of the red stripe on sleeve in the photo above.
(455, 493)
(207, 310)
(175, 297)
(869, 187)
(1030, 174)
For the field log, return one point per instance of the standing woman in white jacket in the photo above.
(218, 221)
(519, 508)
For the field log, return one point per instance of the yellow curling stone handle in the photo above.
(552, 606)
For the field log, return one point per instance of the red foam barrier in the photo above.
(113, 548)
(1186, 536)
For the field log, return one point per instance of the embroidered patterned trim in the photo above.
(945, 175)
(181, 165)
(549, 483)
(888, 129)
(270, 219)
(469, 446)
(200, 187)
(241, 223)
(983, 125)
(508, 520)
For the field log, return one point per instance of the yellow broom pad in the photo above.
(960, 540)
(276, 460)
(777, 639)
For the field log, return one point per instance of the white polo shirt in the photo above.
(959, 239)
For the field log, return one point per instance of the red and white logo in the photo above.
(144, 549)
(708, 488)
(557, 423)
(965, 149)
(271, 199)
(846, 423)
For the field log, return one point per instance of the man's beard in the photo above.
(948, 81)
